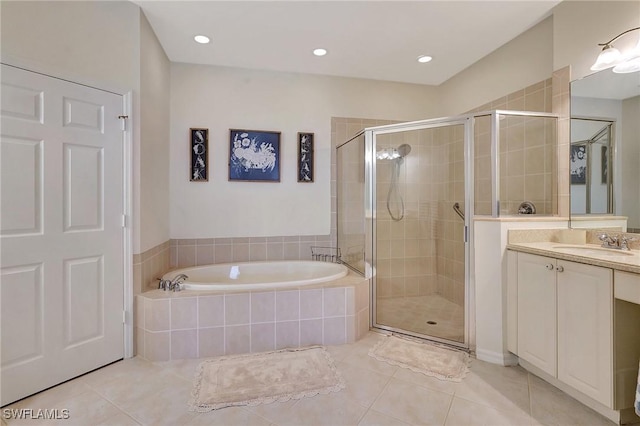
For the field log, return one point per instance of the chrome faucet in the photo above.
(175, 283)
(163, 284)
(618, 242)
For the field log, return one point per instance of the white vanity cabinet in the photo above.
(537, 311)
(565, 322)
(585, 329)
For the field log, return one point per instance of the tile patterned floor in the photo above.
(415, 312)
(135, 391)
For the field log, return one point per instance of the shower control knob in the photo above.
(549, 266)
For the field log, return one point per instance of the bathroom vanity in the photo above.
(574, 318)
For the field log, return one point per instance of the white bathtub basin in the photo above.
(259, 275)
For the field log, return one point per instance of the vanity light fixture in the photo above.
(612, 57)
(202, 39)
(319, 52)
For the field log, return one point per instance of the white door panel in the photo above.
(60, 231)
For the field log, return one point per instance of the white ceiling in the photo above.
(366, 39)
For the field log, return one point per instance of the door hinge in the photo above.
(124, 317)
(124, 119)
(124, 220)
(466, 234)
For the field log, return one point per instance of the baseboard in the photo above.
(615, 416)
(500, 358)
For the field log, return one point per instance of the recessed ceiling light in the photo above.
(201, 39)
(319, 52)
(423, 59)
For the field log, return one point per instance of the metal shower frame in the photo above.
(370, 201)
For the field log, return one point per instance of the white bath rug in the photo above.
(263, 378)
(421, 357)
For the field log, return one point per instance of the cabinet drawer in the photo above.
(626, 286)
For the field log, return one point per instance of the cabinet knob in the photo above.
(560, 268)
(549, 266)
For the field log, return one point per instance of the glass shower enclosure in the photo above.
(406, 194)
(413, 195)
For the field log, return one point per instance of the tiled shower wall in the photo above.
(417, 255)
(561, 106)
(528, 152)
(351, 190)
(205, 251)
(352, 219)
(423, 253)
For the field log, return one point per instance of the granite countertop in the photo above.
(591, 254)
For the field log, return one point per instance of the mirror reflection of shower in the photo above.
(393, 196)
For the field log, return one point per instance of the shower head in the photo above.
(394, 153)
(404, 150)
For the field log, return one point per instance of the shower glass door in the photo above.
(418, 238)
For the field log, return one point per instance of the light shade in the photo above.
(630, 62)
(609, 57)
(629, 66)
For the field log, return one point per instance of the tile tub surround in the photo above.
(207, 251)
(149, 265)
(197, 324)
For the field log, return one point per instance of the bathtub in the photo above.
(259, 275)
(228, 309)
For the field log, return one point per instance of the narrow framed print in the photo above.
(578, 166)
(305, 157)
(254, 155)
(199, 154)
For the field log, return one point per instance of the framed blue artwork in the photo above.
(254, 155)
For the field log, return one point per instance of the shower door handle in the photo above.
(456, 208)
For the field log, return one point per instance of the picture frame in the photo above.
(578, 164)
(604, 163)
(254, 155)
(305, 157)
(199, 147)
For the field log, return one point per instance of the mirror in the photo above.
(605, 146)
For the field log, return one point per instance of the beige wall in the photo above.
(525, 60)
(153, 151)
(108, 45)
(578, 27)
(221, 98)
(95, 43)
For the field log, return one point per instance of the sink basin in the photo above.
(593, 251)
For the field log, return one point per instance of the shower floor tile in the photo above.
(135, 391)
(419, 313)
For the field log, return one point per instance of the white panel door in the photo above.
(61, 234)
